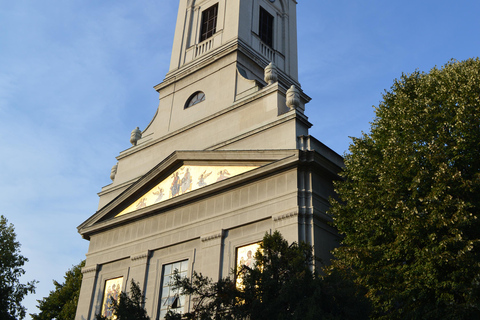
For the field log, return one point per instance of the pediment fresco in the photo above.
(185, 179)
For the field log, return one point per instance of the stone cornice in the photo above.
(281, 119)
(224, 50)
(271, 89)
(310, 143)
(110, 187)
(197, 64)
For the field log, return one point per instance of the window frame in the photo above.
(164, 286)
(192, 97)
(266, 23)
(253, 248)
(208, 25)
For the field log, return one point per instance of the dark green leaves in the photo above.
(129, 305)
(61, 303)
(410, 205)
(12, 291)
(280, 286)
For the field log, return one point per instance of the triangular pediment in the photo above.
(184, 176)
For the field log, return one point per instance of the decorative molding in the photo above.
(285, 216)
(212, 236)
(89, 269)
(140, 256)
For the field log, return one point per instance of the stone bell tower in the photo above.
(261, 31)
(226, 158)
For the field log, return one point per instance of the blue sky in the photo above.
(76, 77)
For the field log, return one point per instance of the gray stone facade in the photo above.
(242, 123)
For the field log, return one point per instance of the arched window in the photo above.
(194, 99)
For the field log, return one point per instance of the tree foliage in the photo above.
(12, 291)
(280, 286)
(129, 305)
(409, 202)
(61, 303)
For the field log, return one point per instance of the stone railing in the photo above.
(203, 47)
(268, 52)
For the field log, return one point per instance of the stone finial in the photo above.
(271, 75)
(293, 97)
(113, 172)
(135, 136)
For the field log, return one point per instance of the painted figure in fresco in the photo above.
(115, 290)
(159, 194)
(107, 307)
(201, 180)
(186, 183)
(142, 203)
(222, 175)
(250, 262)
(175, 188)
(112, 295)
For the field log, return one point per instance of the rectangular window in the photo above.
(245, 256)
(112, 290)
(266, 27)
(170, 299)
(209, 22)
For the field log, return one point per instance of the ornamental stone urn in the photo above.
(135, 136)
(293, 97)
(113, 172)
(271, 74)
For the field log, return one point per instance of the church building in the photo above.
(226, 159)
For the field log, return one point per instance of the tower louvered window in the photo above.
(266, 27)
(209, 22)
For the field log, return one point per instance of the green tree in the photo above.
(12, 291)
(409, 202)
(61, 303)
(129, 305)
(281, 286)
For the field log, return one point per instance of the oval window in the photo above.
(196, 98)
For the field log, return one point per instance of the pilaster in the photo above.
(87, 292)
(286, 224)
(211, 253)
(138, 267)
